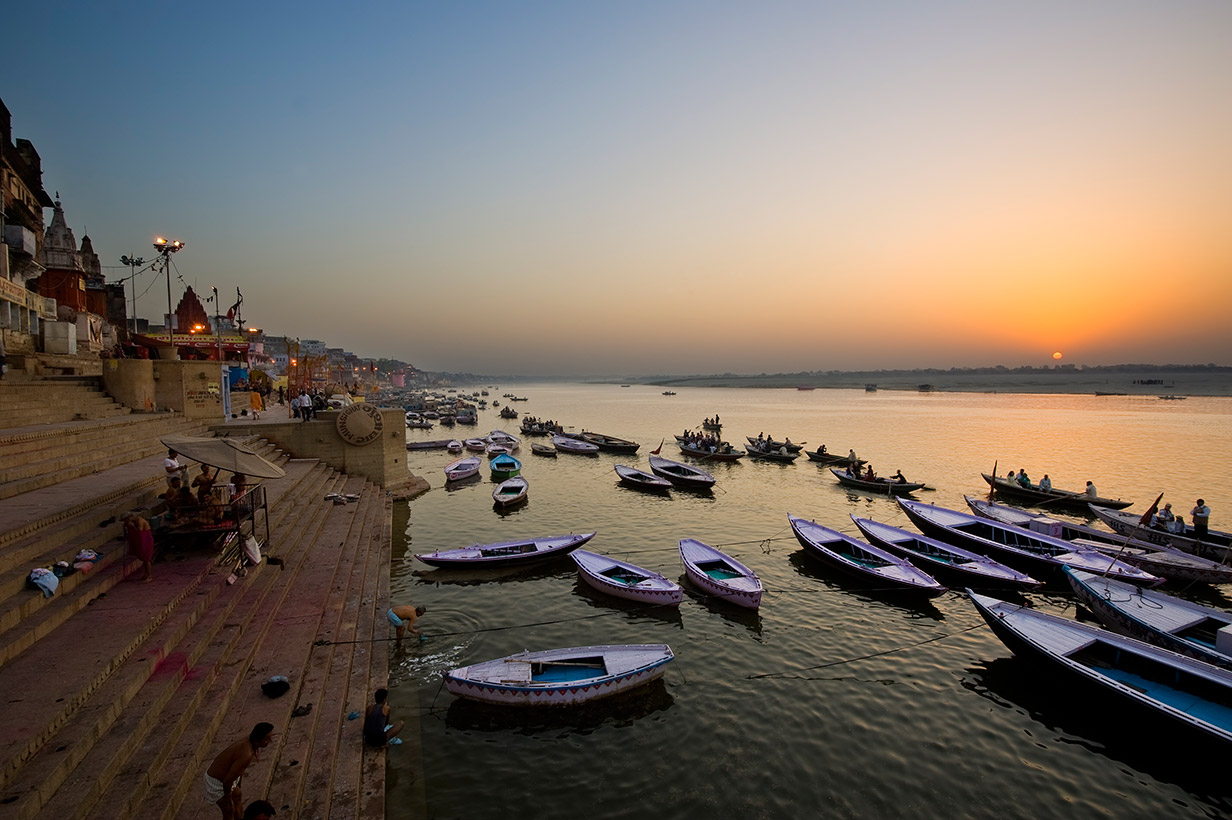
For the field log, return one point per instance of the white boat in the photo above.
(510, 491)
(475, 445)
(454, 446)
(503, 553)
(720, 575)
(885, 570)
(625, 580)
(508, 439)
(560, 677)
(682, 475)
(575, 446)
(1191, 693)
(462, 468)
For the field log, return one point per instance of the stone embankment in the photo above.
(119, 693)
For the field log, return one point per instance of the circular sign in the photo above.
(359, 424)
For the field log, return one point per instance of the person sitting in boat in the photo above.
(1045, 482)
(853, 471)
(821, 451)
(1177, 527)
(899, 478)
(869, 474)
(1091, 492)
(1012, 477)
(1023, 479)
(1164, 518)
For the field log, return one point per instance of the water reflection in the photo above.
(750, 619)
(584, 718)
(810, 567)
(1103, 726)
(551, 568)
(633, 610)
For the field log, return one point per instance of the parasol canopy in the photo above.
(225, 454)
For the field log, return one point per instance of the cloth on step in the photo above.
(45, 580)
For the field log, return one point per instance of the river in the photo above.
(832, 700)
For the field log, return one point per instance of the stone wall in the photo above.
(191, 388)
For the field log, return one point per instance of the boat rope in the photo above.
(794, 674)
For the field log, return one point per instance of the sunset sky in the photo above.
(658, 187)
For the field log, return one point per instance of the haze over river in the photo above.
(833, 700)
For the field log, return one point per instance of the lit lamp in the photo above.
(165, 248)
(133, 263)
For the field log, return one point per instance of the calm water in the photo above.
(833, 701)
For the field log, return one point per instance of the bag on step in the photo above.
(276, 686)
(252, 550)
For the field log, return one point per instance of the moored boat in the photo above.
(720, 575)
(625, 580)
(504, 466)
(574, 446)
(1215, 543)
(462, 468)
(475, 445)
(609, 444)
(543, 450)
(938, 558)
(639, 480)
(873, 564)
(1190, 692)
(525, 551)
(782, 455)
(884, 486)
(510, 491)
(1054, 498)
(454, 446)
(1018, 547)
(1152, 616)
(560, 677)
(681, 475)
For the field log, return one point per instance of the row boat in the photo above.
(1021, 548)
(560, 677)
(1054, 498)
(543, 450)
(504, 466)
(1189, 692)
(832, 458)
(1187, 541)
(609, 444)
(681, 475)
(639, 480)
(1166, 562)
(511, 491)
(781, 455)
(1150, 615)
(462, 468)
(576, 446)
(506, 552)
(862, 560)
(884, 486)
(720, 575)
(727, 454)
(771, 444)
(939, 558)
(625, 580)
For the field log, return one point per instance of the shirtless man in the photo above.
(222, 778)
(403, 618)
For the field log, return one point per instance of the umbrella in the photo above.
(225, 454)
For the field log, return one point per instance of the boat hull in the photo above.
(506, 553)
(621, 579)
(719, 575)
(560, 677)
(879, 487)
(1054, 499)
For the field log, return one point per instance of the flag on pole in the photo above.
(1145, 521)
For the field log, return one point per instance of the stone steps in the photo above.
(153, 659)
(45, 401)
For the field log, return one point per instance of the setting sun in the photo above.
(1056, 355)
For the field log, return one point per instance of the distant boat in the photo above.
(609, 444)
(639, 480)
(560, 677)
(870, 388)
(682, 475)
(462, 468)
(1054, 498)
(884, 486)
(575, 446)
(543, 450)
(454, 446)
(669, 392)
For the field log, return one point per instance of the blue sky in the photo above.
(609, 188)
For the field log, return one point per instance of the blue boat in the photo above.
(504, 466)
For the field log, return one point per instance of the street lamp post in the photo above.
(133, 263)
(165, 248)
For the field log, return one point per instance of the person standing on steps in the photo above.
(222, 778)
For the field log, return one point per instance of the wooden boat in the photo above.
(475, 445)
(771, 455)
(495, 448)
(508, 412)
(510, 491)
(501, 437)
(832, 458)
(419, 424)
(720, 575)
(454, 446)
(538, 428)
(462, 468)
(938, 558)
(625, 580)
(609, 444)
(885, 486)
(639, 480)
(681, 475)
(1014, 545)
(727, 454)
(504, 553)
(771, 444)
(504, 466)
(873, 564)
(576, 446)
(560, 677)
(713, 426)
(1150, 615)
(1166, 562)
(1215, 543)
(1054, 498)
(543, 450)
(1191, 693)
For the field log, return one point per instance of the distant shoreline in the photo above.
(1179, 382)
